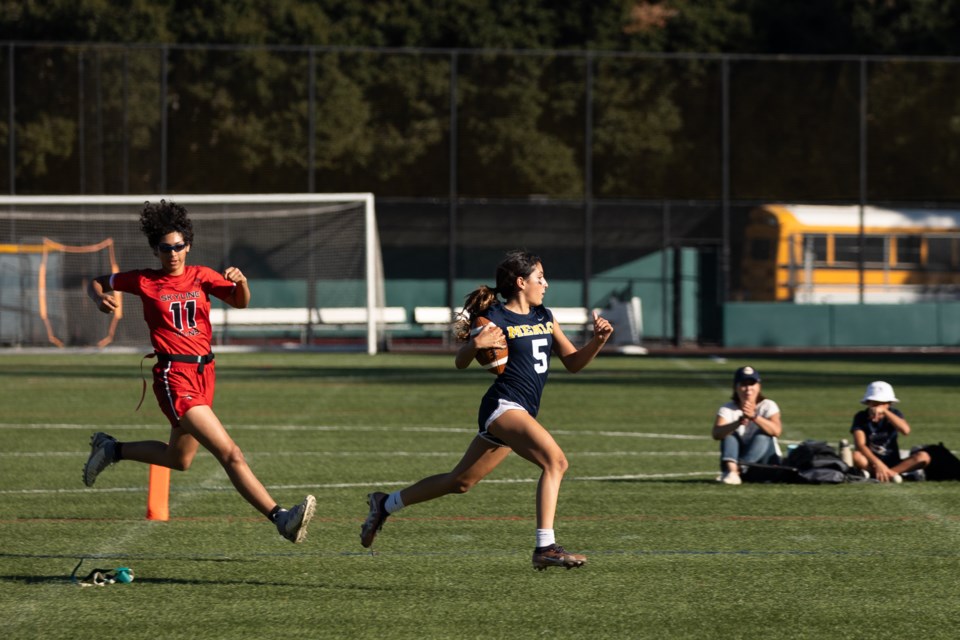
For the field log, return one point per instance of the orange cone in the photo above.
(158, 494)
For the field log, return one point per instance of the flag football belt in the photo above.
(197, 360)
(164, 358)
(102, 577)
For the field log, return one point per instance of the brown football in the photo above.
(493, 360)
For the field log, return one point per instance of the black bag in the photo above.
(810, 462)
(827, 475)
(771, 473)
(804, 455)
(943, 464)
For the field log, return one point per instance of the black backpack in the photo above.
(943, 464)
(810, 462)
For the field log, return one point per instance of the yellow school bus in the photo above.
(811, 254)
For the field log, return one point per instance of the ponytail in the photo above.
(475, 303)
(516, 264)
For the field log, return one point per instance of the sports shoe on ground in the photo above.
(375, 519)
(292, 523)
(555, 556)
(729, 477)
(102, 454)
(917, 475)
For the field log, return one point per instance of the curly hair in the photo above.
(159, 219)
(516, 264)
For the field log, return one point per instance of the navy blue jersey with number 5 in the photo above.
(530, 343)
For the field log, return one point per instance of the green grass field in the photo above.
(671, 553)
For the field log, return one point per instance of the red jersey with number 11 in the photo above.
(176, 308)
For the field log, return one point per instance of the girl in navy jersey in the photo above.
(508, 411)
(176, 307)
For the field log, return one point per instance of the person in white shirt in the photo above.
(747, 427)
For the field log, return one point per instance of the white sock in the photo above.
(545, 538)
(394, 502)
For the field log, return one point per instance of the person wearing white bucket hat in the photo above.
(875, 431)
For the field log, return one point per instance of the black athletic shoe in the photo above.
(375, 519)
(102, 455)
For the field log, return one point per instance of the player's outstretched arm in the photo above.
(574, 359)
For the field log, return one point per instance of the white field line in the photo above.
(215, 481)
(208, 487)
(366, 454)
(348, 428)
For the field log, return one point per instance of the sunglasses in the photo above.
(163, 247)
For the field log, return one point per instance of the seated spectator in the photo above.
(875, 431)
(748, 427)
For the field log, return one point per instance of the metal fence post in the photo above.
(588, 181)
(11, 118)
(452, 186)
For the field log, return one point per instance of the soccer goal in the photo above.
(313, 261)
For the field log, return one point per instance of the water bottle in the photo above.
(846, 452)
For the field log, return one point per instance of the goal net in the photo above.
(307, 256)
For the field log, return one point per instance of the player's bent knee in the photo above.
(557, 466)
(181, 463)
(461, 485)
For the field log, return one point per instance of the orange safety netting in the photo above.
(48, 246)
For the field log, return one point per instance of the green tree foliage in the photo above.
(859, 27)
(86, 20)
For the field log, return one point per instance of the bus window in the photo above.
(816, 244)
(940, 252)
(908, 251)
(847, 249)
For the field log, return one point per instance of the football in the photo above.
(493, 360)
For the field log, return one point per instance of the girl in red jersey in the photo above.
(176, 307)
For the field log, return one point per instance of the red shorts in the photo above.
(179, 387)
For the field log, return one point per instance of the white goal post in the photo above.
(303, 252)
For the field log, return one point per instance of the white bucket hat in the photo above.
(879, 391)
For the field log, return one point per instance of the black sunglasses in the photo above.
(163, 247)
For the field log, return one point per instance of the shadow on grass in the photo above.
(694, 481)
(65, 580)
(119, 556)
(781, 371)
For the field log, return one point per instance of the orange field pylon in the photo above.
(158, 494)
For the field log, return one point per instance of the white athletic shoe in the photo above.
(292, 524)
(730, 477)
(102, 454)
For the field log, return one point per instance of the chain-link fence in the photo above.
(597, 160)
